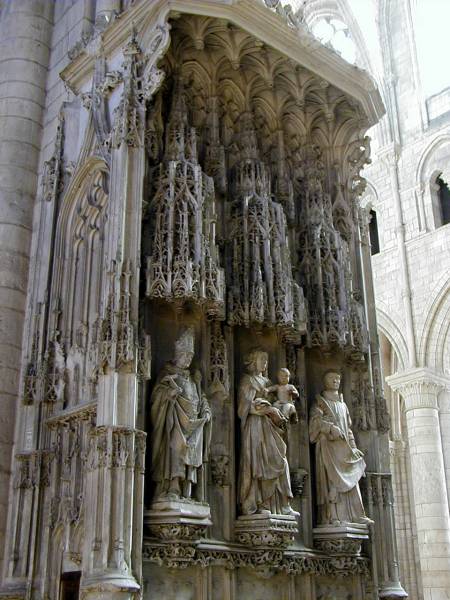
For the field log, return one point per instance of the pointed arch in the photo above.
(388, 326)
(436, 329)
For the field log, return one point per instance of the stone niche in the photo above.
(250, 241)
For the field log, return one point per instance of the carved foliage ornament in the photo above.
(117, 342)
(295, 563)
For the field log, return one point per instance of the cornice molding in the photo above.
(253, 17)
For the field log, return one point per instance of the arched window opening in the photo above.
(373, 233)
(444, 200)
(335, 33)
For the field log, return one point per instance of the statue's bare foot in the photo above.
(336, 523)
(365, 521)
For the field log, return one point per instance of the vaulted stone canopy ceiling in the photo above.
(219, 59)
(282, 61)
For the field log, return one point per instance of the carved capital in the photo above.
(419, 387)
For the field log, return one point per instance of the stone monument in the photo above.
(210, 185)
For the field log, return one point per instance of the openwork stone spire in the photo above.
(184, 265)
(323, 258)
(261, 288)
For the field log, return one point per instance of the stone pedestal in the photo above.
(178, 520)
(266, 530)
(345, 539)
(114, 587)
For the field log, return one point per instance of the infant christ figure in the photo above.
(286, 393)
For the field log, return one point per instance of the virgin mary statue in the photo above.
(264, 484)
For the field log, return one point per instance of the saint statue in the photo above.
(339, 463)
(181, 424)
(264, 481)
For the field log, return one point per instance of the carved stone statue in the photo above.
(181, 420)
(339, 463)
(264, 482)
(286, 393)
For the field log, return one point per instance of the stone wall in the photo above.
(418, 283)
(26, 49)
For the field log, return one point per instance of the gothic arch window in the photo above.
(373, 233)
(340, 25)
(334, 32)
(83, 252)
(78, 278)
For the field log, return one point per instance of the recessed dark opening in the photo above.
(373, 234)
(70, 585)
(444, 200)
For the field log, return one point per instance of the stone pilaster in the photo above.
(114, 487)
(112, 563)
(419, 389)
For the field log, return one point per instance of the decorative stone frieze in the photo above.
(232, 557)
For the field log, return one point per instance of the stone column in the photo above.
(444, 418)
(112, 557)
(420, 388)
(25, 31)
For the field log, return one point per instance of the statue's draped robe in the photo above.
(181, 432)
(264, 471)
(338, 469)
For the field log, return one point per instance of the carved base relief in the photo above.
(345, 539)
(173, 521)
(272, 531)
